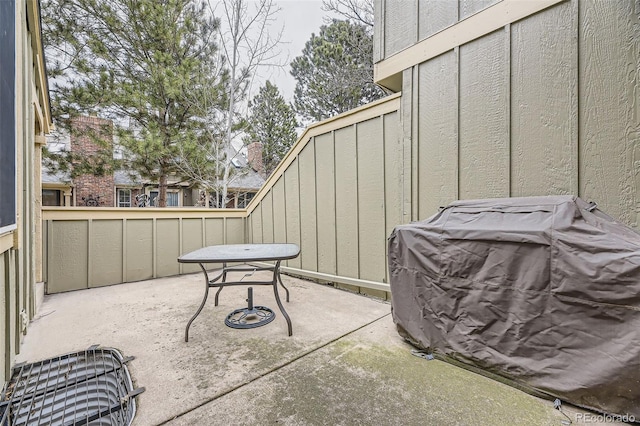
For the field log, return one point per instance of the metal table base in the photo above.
(224, 283)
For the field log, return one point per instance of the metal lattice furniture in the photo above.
(90, 387)
(244, 254)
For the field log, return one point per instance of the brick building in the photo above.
(121, 188)
(89, 137)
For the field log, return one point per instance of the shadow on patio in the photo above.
(344, 364)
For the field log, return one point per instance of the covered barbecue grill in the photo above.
(542, 291)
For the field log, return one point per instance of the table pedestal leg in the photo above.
(224, 279)
(276, 279)
(204, 300)
(285, 288)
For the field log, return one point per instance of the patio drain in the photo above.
(91, 387)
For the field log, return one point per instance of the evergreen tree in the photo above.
(137, 62)
(335, 71)
(273, 123)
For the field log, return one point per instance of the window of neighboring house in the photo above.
(124, 198)
(244, 199)
(172, 198)
(8, 213)
(51, 197)
(212, 200)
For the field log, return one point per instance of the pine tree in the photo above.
(273, 123)
(335, 71)
(137, 62)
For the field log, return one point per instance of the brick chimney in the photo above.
(96, 190)
(254, 157)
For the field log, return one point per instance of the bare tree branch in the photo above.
(358, 11)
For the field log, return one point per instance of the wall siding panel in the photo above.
(438, 134)
(12, 280)
(279, 215)
(409, 147)
(167, 247)
(469, 7)
(393, 169)
(371, 208)
(256, 225)
(267, 218)
(346, 169)
(235, 230)
(484, 137)
(214, 231)
(544, 104)
(325, 178)
(68, 262)
(106, 250)
(609, 87)
(400, 25)
(292, 200)
(191, 240)
(434, 16)
(139, 249)
(378, 32)
(5, 273)
(308, 217)
(214, 235)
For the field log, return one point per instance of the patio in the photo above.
(344, 364)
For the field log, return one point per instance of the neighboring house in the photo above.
(57, 189)
(125, 188)
(25, 118)
(249, 176)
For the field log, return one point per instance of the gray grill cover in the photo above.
(538, 290)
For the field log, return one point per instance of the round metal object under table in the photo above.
(251, 316)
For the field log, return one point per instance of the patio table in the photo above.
(241, 253)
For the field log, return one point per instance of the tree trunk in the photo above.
(232, 100)
(162, 190)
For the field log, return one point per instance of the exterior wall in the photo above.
(402, 23)
(337, 195)
(18, 248)
(93, 247)
(91, 187)
(541, 104)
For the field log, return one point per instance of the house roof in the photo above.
(126, 178)
(245, 176)
(58, 177)
(246, 179)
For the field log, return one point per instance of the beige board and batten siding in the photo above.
(308, 218)
(279, 213)
(405, 22)
(545, 101)
(292, 209)
(336, 194)
(609, 106)
(326, 203)
(19, 241)
(103, 246)
(436, 28)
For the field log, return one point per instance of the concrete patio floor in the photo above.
(344, 365)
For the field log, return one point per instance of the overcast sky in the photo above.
(299, 19)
